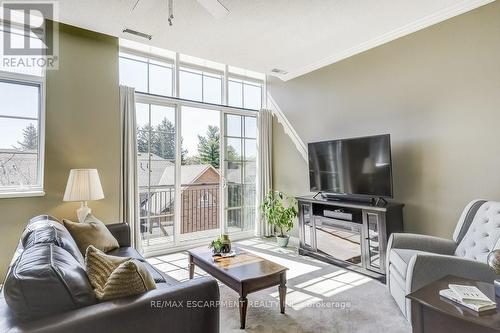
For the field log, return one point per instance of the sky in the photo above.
(16, 100)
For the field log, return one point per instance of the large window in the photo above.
(196, 144)
(245, 94)
(198, 80)
(21, 136)
(146, 75)
(200, 86)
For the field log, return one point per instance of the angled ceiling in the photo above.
(297, 36)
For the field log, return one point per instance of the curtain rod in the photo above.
(196, 102)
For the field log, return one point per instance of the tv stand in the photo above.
(350, 234)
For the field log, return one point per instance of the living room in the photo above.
(263, 166)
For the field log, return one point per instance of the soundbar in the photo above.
(337, 214)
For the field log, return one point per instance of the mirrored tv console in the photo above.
(349, 234)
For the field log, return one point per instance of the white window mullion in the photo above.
(176, 76)
(178, 165)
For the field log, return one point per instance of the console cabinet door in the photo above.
(374, 241)
(307, 233)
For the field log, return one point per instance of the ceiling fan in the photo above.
(214, 7)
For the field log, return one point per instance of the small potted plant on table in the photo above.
(280, 210)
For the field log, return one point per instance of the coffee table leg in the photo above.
(282, 290)
(191, 267)
(243, 310)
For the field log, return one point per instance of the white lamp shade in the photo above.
(83, 185)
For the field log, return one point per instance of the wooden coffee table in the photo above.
(245, 273)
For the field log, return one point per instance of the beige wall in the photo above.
(437, 92)
(82, 131)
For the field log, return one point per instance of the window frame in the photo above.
(124, 51)
(39, 81)
(178, 66)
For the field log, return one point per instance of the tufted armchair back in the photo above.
(478, 230)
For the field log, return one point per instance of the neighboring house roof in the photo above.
(18, 168)
(189, 174)
(157, 167)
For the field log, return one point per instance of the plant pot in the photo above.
(282, 240)
(226, 244)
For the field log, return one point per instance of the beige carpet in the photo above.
(320, 297)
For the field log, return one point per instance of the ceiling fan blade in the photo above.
(214, 7)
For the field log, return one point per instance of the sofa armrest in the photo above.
(191, 306)
(426, 268)
(421, 243)
(121, 231)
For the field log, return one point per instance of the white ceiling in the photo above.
(297, 36)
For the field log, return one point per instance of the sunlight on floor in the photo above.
(334, 283)
(295, 268)
(300, 295)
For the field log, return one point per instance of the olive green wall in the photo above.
(436, 91)
(82, 131)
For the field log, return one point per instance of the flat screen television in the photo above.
(356, 167)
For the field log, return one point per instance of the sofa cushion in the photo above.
(46, 229)
(157, 275)
(91, 232)
(45, 279)
(127, 251)
(400, 258)
(114, 277)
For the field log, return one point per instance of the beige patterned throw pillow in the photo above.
(114, 277)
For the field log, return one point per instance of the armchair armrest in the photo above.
(191, 306)
(421, 243)
(426, 268)
(121, 231)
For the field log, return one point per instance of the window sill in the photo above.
(22, 194)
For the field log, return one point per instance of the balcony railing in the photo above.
(199, 209)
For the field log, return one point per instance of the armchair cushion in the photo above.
(483, 234)
(400, 258)
(425, 268)
(422, 243)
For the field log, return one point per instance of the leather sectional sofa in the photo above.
(46, 291)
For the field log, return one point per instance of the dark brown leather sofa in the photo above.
(191, 306)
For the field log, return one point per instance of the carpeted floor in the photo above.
(320, 297)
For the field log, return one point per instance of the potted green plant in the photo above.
(216, 246)
(220, 245)
(280, 210)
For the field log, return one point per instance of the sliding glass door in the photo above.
(200, 173)
(240, 172)
(156, 170)
(196, 168)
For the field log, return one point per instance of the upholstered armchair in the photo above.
(416, 260)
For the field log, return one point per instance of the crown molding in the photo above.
(412, 27)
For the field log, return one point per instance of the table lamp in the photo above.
(83, 185)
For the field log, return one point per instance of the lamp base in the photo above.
(82, 212)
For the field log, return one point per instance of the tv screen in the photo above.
(357, 166)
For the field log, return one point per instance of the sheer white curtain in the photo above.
(128, 166)
(264, 166)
